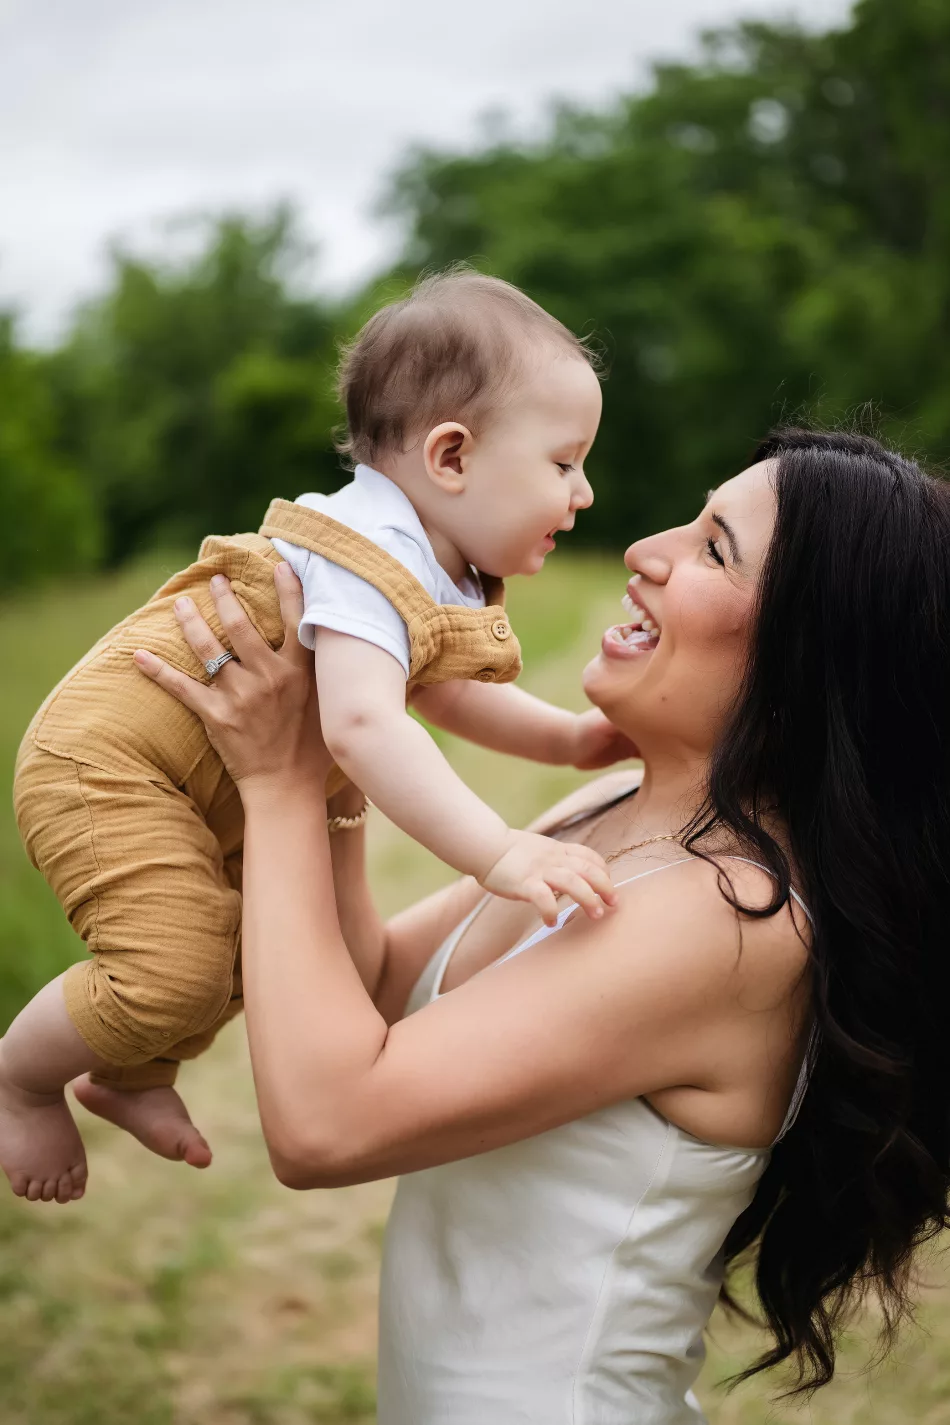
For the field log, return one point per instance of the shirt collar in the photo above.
(397, 505)
(388, 493)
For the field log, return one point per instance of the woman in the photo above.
(748, 1053)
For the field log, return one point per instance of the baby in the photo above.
(470, 413)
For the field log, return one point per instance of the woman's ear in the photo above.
(445, 452)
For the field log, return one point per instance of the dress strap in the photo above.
(805, 1071)
(791, 890)
(564, 915)
(450, 944)
(801, 1085)
(814, 1040)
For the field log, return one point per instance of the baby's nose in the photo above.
(583, 496)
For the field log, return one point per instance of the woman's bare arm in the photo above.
(654, 997)
(392, 956)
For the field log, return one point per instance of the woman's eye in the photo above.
(564, 466)
(710, 545)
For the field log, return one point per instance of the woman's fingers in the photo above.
(290, 596)
(244, 637)
(199, 637)
(187, 690)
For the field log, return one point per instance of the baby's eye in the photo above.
(564, 466)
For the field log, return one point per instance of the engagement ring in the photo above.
(214, 665)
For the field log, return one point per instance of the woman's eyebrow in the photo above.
(730, 534)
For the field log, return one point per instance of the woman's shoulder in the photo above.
(704, 918)
(589, 798)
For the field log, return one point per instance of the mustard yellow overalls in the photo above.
(129, 813)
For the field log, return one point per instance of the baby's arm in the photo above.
(393, 759)
(506, 719)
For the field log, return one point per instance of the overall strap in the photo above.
(313, 530)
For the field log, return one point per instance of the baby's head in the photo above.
(482, 407)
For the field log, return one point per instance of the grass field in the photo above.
(169, 1297)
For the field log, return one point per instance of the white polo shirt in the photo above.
(336, 598)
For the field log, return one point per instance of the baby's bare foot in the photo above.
(41, 1151)
(156, 1117)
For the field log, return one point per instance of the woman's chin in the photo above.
(599, 680)
(609, 682)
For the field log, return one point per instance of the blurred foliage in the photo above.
(49, 521)
(194, 392)
(760, 234)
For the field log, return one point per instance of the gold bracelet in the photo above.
(349, 823)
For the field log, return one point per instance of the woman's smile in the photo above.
(637, 637)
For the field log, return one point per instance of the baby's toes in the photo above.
(19, 1182)
(64, 1188)
(78, 1175)
(49, 1189)
(34, 1190)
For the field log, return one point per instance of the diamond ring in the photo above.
(214, 665)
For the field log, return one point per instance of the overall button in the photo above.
(501, 630)
(485, 675)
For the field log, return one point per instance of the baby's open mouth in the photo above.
(641, 632)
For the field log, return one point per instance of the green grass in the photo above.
(170, 1297)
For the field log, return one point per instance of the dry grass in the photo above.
(170, 1297)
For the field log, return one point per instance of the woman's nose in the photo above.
(651, 557)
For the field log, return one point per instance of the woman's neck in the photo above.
(670, 794)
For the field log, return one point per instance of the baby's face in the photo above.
(526, 475)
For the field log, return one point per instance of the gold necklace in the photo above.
(637, 845)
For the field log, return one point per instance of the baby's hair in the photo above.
(450, 350)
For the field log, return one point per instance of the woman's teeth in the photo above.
(638, 616)
(634, 637)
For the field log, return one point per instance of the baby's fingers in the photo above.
(594, 870)
(540, 895)
(572, 883)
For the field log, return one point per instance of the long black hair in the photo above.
(843, 723)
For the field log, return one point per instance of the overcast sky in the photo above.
(115, 114)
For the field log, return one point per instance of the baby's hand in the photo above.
(597, 743)
(536, 869)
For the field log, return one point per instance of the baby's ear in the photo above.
(445, 452)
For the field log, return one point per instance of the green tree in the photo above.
(49, 524)
(760, 234)
(195, 391)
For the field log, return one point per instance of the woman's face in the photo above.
(673, 682)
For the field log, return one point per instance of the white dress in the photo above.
(563, 1280)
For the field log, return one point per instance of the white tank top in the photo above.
(563, 1280)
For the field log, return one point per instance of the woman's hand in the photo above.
(261, 712)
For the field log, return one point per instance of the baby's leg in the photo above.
(157, 1117)
(141, 1098)
(141, 878)
(41, 1151)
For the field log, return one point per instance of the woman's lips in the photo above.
(614, 645)
(547, 543)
